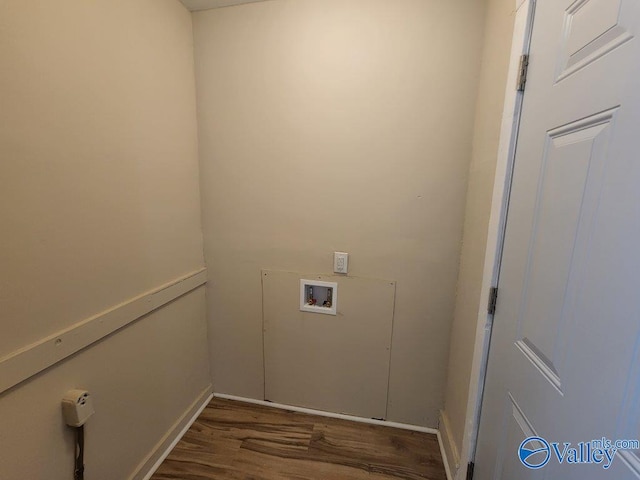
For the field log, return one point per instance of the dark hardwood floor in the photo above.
(235, 440)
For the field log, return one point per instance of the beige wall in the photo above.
(99, 203)
(491, 88)
(337, 125)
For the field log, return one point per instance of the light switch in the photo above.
(340, 262)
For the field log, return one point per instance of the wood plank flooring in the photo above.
(241, 441)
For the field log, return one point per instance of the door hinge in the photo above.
(470, 466)
(493, 299)
(523, 68)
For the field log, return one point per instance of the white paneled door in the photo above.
(564, 361)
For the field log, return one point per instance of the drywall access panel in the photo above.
(334, 363)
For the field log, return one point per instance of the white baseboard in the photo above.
(352, 418)
(162, 449)
(321, 413)
(443, 454)
(450, 454)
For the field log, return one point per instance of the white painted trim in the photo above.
(199, 5)
(443, 454)
(320, 413)
(163, 448)
(448, 442)
(502, 183)
(22, 364)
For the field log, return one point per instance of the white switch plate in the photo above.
(340, 262)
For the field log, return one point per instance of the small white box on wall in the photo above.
(318, 297)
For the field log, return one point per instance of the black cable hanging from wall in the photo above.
(78, 473)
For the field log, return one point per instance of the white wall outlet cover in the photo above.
(77, 407)
(340, 262)
(318, 297)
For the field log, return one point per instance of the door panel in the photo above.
(629, 426)
(572, 165)
(592, 28)
(564, 351)
(517, 428)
